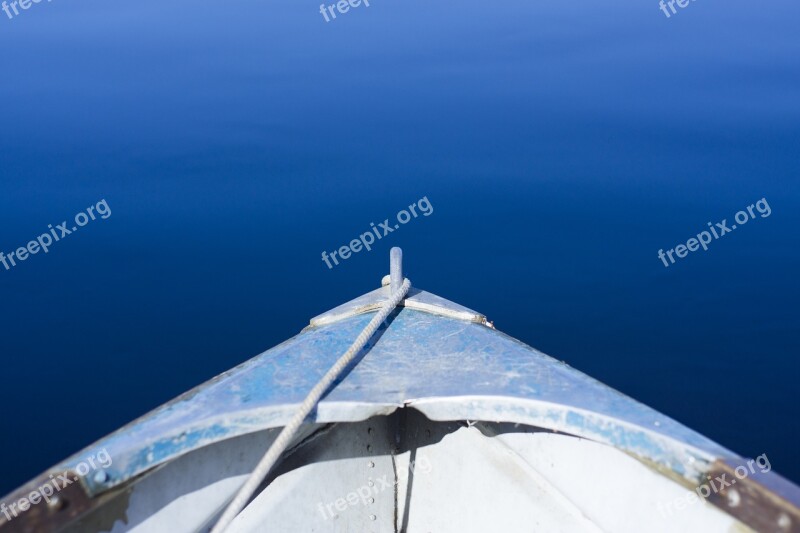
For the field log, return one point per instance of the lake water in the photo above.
(560, 146)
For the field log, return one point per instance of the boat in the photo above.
(440, 423)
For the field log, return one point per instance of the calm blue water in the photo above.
(561, 145)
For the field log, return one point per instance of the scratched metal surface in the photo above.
(448, 368)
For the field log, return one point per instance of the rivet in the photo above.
(101, 476)
(371, 464)
(733, 498)
(56, 503)
(373, 517)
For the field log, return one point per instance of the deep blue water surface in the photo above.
(561, 145)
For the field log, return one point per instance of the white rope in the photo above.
(287, 434)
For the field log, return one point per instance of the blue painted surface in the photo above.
(561, 147)
(448, 368)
